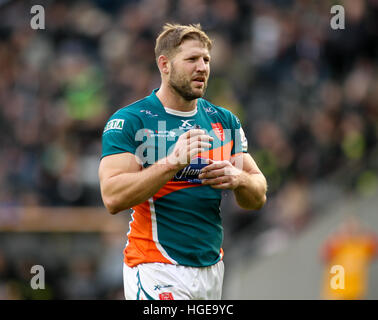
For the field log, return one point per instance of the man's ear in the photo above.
(163, 64)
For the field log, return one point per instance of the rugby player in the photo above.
(168, 157)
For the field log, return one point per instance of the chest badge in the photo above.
(218, 130)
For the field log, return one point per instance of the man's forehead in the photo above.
(193, 46)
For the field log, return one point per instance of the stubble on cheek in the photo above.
(183, 85)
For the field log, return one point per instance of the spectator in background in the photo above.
(352, 247)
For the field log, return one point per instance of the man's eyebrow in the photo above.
(196, 55)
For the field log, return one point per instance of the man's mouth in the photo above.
(199, 80)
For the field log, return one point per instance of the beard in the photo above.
(183, 86)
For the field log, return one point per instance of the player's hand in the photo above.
(220, 175)
(188, 146)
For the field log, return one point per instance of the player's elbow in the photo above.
(253, 204)
(257, 198)
(260, 203)
(260, 198)
(112, 204)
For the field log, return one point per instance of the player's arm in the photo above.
(124, 183)
(252, 186)
(246, 180)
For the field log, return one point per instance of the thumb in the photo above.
(209, 161)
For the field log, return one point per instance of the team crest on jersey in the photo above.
(115, 124)
(218, 130)
(166, 296)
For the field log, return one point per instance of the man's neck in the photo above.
(172, 100)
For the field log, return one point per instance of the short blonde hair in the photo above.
(173, 35)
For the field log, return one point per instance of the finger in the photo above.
(194, 152)
(211, 174)
(215, 181)
(191, 153)
(193, 133)
(198, 144)
(223, 186)
(216, 165)
(206, 160)
(203, 137)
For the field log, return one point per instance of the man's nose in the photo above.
(201, 65)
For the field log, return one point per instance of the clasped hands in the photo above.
(220, 175)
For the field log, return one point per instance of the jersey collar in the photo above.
(172, 111)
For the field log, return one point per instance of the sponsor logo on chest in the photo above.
(187, 124)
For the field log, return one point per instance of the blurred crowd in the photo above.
(74, 266)
(307, 95)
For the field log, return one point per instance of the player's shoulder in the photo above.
(215, 111)
(127, 118)
(132, 110)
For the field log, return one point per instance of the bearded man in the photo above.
(168, 157)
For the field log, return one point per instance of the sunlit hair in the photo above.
(173, 35)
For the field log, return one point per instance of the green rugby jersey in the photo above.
(181, 223)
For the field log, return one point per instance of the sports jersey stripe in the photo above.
(172, 186)
(218, 154)
(140, 288)
(128, 233)
(155, 234)
(141, 247)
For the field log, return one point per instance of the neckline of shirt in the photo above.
(173, 111)
(181, 113)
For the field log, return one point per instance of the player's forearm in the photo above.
(251, 193)
(126, 190)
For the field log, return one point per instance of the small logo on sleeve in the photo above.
(115, 124)
(149, 113)
(210, 110)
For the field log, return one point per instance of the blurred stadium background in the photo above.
(307, 97)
